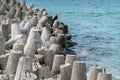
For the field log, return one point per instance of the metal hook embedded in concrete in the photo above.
(27, 71)
(104, 70)
(16, 49)
(35, 64)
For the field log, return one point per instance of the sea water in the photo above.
(94, 25)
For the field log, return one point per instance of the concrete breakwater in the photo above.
(33, 46)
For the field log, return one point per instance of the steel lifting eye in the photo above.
(27, 71)
(16, 49)
(104, 70)
(35, 64)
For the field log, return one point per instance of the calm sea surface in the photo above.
(95, 26)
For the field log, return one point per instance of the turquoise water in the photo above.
(95, 26)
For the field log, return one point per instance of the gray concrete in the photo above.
(10, 42)
(27, 27)
(23, 3)
(11, 13)
(34, 34)
(22, 24)
(24, 69)
(28, 64)
(55, 48)
(43, 72)
(4, 77)
(12, 2)
(34, 20)
(58, 60)
(45, 35)
(79, 71)
(29, 12)
(30, 48)
(43, 21)
(15, 30)
(94, 73)
(13, 62)
(3, 61)
(2, 45)
(11, 77)
(53, 40)
(48, 57)
(5, 30)
(22, 40)
(18, 46)
(41, 51)
(19, 68)
(70, 59)
(104, 76)
(18, 15)
(27, 73)
(56, 24)
(65, 73)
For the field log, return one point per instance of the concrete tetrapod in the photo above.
(56, 24)
(53, 40)
(18, 46)
(11, 77)
(23, 3)
(79, 71)
(3, 61)
(58, 60)
(30, 48)
(48, 57)
(55, 48)
(10, 42)
(15, 30)
(34, 34)
(43, 72)
(27, 70)
(70, 59)
(13, 62)
(4, 77)
(61, 40)
(5, 30)
(104, 76)
(19, 68)
(11, 13)
(39, 15)
(2, 45)
(12, 2)
(23, 40)
(22, 24)
(34, 20)
(27, 27)
(43, 21)
(65, 73)
(94, 72)
(45, 35)
(18, 15)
